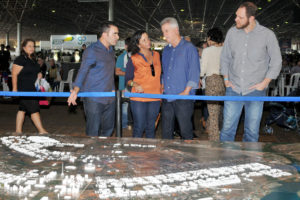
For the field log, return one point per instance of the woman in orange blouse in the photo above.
(143, 75)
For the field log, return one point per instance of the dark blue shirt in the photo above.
(96, 73)
(181, 68)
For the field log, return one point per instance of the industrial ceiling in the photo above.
(41, 18)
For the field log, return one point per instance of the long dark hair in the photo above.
(135, 40)
(24, 43)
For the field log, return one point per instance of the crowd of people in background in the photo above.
(241, 65)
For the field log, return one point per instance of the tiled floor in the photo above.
(58, 120)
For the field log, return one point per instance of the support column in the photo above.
(7, 39)
(111, 10)
(19, 38)
(147, 27)
(119, 113)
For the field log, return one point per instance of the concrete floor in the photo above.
(57, 119)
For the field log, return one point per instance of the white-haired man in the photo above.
(181, 67)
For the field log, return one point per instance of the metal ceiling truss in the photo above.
(40, 18)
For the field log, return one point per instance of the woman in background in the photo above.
(210, 66)
(25, 71)
(54, 75)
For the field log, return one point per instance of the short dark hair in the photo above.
(104, 27)
(215, 34)
(135, 40)
(250, 7)
(24, 43)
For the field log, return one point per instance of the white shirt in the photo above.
(210, 61)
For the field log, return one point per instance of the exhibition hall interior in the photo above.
(150, 99)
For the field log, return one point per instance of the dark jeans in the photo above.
(54, 84)
(100, 118)
(130, 118)
(183, 111)
(144, 116)
(204, 107)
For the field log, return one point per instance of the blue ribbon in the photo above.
(57, 94)
(153, 96)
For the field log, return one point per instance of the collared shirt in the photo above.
(181, 68)
(121, 63)
(248, 58)
(96, 73)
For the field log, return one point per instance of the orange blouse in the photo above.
(143, 76)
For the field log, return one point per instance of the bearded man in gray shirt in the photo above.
(250, 59)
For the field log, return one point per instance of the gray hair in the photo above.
(169, 20)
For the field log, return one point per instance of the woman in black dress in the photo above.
(24, 74)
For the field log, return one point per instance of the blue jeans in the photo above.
(183, 111)
(125, 114)
(232, 113)
(144, 116)
(100, 118)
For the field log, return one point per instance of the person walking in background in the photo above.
(122, 61)
(181, 69)
(25, 71)
(43, 66)
(83, 47)
(96, 74)
(54, 74)
(5, 66)
(250, 59)
(4, 59)
(143, 74)
(210, 67)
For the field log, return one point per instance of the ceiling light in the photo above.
(34, 24)
(277, 25)
(181, 10)
(259, 8)
(269, 1)
(286, 22)
(53, 11)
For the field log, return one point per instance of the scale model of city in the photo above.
(62, 167)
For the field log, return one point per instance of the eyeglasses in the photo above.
(152, 70)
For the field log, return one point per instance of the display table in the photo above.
(63, 167)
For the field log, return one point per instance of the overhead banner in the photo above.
(71, 41)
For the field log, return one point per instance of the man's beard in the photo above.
(243, 25)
